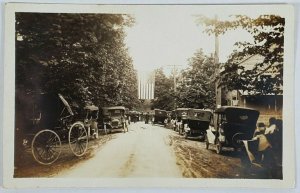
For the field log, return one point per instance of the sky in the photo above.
(166, 39)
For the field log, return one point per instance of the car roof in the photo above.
(91, 107)
(182, 109)
(223, 109)
(114, 108)
(200, 110)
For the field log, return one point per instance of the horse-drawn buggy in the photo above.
(45, 122)
(197, 122)
(230, 126)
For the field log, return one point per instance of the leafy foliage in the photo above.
(268, 34)
(197, 88)
(82, 56)
(164, 91)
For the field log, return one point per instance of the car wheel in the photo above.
(218, 146)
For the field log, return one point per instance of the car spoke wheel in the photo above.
(45, 147)
(78, 139)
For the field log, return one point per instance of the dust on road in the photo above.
(142, 152)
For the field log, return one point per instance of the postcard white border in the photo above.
(288, 181)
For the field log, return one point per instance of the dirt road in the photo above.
(145, 151)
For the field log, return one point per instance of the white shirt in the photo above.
(270, 130)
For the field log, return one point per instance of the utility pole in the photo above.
(217, 70)
(174, 72)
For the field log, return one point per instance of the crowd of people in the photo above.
(264, 150)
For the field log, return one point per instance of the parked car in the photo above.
(181, 114)
(160, 116)
(114, 118)
(197, 122)
(230, 126)
(135, 116)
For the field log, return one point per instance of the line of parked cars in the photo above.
(226, 126)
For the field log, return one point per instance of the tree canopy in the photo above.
(197, 85)
(82, 56)
(266, 77)
(164, 97)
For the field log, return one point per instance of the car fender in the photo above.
(222, 138)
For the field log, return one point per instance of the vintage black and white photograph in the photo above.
(180, 92)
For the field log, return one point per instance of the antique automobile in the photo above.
(197, 122)
(230, 126)
(181, 114)
(135, 116)
(159, 116)
(46, 122)
(114, 119)
(91, 120)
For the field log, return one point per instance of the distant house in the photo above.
(269, 105)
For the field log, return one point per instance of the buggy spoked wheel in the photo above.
(78, 139)
(218, 146)
(46, 147)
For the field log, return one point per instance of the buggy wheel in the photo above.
(45, 147)
(206, 141)
(218, 146)
(78, 139)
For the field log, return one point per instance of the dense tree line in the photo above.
(82, 56)
(164, 96)
(195, 86)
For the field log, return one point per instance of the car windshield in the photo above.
(115, 112)
(240, 116)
